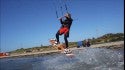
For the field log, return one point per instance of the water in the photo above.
(84, 59)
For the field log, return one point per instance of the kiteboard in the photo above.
(61, 47)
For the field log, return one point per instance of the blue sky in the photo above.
(30, 23)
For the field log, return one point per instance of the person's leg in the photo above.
(57, 37)
(60, 32)
(66, 50)
(66, 41)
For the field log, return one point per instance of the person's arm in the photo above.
(61, 20)
(69, 19)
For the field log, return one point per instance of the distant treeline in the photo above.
(110, 37)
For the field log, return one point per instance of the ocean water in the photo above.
(84, 59)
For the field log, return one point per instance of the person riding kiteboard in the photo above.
(64, 29)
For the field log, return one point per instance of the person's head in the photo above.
(68, 15)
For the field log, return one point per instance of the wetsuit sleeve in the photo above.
(69, 19)
(61, 21)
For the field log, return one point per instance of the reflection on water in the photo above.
(85, 59)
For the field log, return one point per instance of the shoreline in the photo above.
(111, 45)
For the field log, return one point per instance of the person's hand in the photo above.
(60, 18)
(65, 15)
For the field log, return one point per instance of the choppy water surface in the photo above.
(84, 59)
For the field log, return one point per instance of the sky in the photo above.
(31, 23)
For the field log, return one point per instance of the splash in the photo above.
(84, 59)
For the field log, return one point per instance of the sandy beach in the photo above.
(112, 45)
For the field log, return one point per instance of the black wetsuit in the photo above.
(66, 23)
